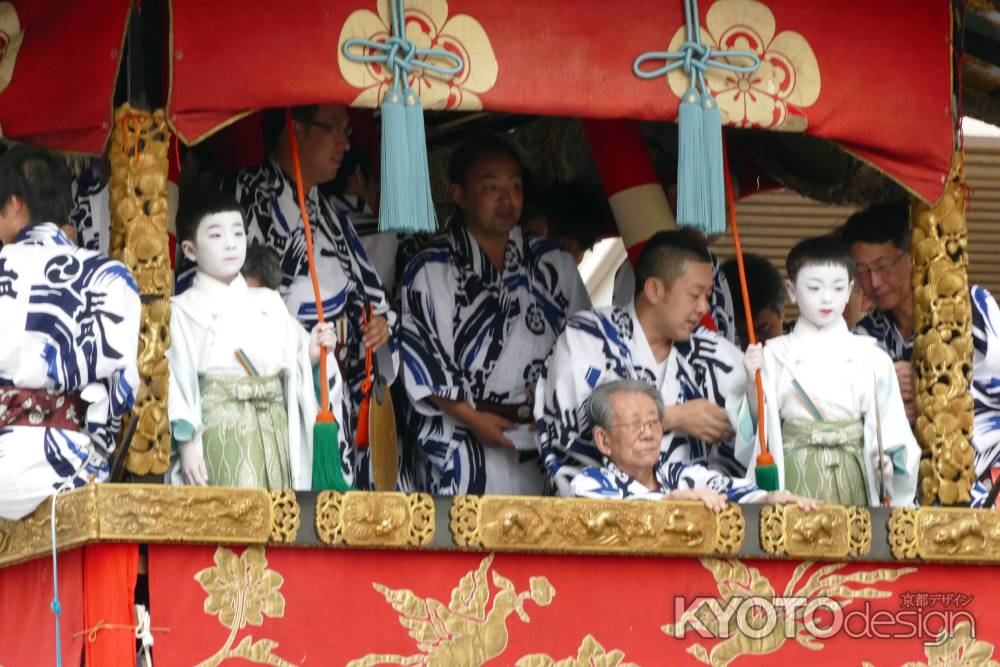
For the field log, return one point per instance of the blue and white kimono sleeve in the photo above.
(610, 482)
(71, 324)
(985, 379)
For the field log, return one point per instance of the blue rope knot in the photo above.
(56, 607)
(399, 54)
(694, 57)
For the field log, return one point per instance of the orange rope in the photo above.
(765, 457)
(324, 413)
(132, 140)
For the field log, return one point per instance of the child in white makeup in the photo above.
(241, 402)
(831, 397)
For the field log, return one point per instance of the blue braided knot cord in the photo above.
(400, 55)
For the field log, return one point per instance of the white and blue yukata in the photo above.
(70, 325)
(611, 482)
(474, 333)
(91, 212)
(985, 386)
(607, 344)
(347, 279)
(720, 301)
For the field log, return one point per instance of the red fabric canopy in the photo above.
(876, 77)
(58, 64)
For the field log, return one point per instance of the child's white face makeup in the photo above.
(821, 292)
(220, 246)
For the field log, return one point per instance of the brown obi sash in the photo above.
(42, 407)
(522, 413)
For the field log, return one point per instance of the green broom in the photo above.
(326, 470)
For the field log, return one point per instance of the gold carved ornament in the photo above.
(942, 349)
(734, 579)
(469, 631)
(139, 223)
(826, 533)
(775, 96)
(427, 25)
(945, 534)
(359, 518)
(578, 525)
(242, 591)
(148, 513)
(287, 516)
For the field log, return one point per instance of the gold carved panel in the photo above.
(137, 193)
(828, 532)
(368, 519)
(943, 534)
(510, 523)
(140, 513)
(286, 516)
(30, 537)
(942, 348)
(202, 514)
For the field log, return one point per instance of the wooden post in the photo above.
(942, 351)
(139, 222)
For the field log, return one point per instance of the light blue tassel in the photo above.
(422, 218)
(395, 204)
(714, 215)
(690, 173)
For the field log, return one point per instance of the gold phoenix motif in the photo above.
(776, 95)
(960, 649)
(943, 534)
(942, 348)
(361, 518)
(594, 526)
(590, 654)
(463, 633)
(243, 591)
(828, 532)
(139, 226)
(735, 580)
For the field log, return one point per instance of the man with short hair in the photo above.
(879, 239)
(481, 309)
(627, 417)
(657, 338)
(348, 283)
(68, 343)
(767, 298)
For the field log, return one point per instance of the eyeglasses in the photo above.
(332, 128)
(639, 426)
(866, 272)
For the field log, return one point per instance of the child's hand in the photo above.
(753, 360)
(193, 468)
(322, 335)
(887, 470)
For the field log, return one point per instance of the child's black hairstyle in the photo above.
(819, 250)
(199, 207)
(665, 255)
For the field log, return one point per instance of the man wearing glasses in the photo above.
(347, 280)
(879, 239)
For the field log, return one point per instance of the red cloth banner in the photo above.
(27, 625)
(309, 606)
(58, 65)
(875, 77)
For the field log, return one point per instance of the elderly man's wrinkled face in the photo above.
(323, 142)
(884, 273)
(632, 440)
